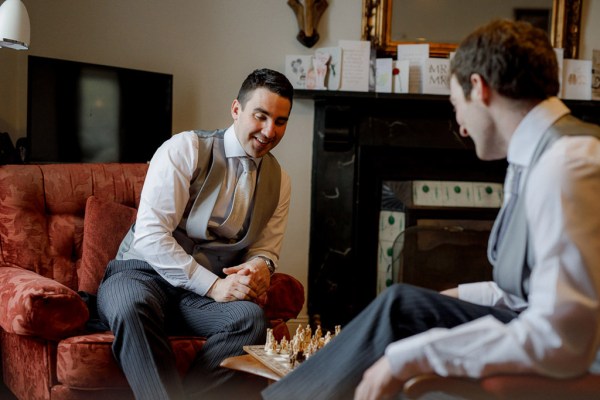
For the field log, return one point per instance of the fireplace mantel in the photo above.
(360, 140)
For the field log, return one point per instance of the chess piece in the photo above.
(318, 332)
(271, 342)
(284, 345)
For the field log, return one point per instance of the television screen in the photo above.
(80, 112)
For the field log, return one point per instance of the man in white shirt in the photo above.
(541, 314)
(209, 228)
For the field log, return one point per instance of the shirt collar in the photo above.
(529, 132)
(233, 148)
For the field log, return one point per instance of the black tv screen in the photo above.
(81, 112)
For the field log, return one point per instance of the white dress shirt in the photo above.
(558, 332)
(164, 198)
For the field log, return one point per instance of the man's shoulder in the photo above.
(272, 161)
(193, 135)
(572, 126)
(215, 134)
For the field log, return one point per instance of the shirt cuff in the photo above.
(407, 355)
(201, 280)
(489, 294)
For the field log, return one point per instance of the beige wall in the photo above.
(209, 46)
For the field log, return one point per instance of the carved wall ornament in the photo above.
(308, 13)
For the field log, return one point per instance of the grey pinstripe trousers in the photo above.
(399, 312)
(142, 308)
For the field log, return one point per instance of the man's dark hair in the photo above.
(514, 58)
(269, 79)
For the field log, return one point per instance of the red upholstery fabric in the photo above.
(44, 232)
(42, 209)
(63, 392)
(289, 293)
(105, 225)
(38, 306)
(86, 362)
(27, 366)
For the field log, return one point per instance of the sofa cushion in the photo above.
(87, 361)
(33, 305)
(105, 225)
(289, 293)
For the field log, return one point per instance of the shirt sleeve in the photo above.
(489, 294)
(558, 334)
(270, 240)
(163, 200)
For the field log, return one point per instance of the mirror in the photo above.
(382, 22)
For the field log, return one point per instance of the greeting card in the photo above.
(355, 65)
(334, 66)
(436, 76)
(416, 54)
(297, 68)
(383, 75)
(400, 72)
(577, 79)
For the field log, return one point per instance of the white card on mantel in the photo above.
(577, 79)
(334, 66)
(355, 65)
(297, 68)
(416, 54)
(436, 76)
(383, 75)
(400, 73)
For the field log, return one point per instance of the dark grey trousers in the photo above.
(142, 309)
(399, 312)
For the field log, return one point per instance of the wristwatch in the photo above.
(269, 262)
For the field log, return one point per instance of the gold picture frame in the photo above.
(376, 27)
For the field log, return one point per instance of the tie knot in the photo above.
(246, 163)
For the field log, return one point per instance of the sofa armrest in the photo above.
(285, 297)
(33, 305)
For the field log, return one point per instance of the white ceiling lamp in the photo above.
(14, 25)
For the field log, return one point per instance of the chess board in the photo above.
(278, 363)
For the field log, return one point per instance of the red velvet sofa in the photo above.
(59, 226)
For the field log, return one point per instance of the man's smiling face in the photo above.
(261, 122)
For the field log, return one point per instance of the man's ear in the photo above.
(480, 89)
(236, 109)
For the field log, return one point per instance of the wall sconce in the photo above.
(14, 25)
(308, 16)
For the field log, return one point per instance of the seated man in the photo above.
(541, 314)
(209, 229)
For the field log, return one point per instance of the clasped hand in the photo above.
(247, 281)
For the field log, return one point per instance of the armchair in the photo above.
(59, 227)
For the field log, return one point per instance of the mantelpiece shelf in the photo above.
(331, 94)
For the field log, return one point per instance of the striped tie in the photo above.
(242, 197)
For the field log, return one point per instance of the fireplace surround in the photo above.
(361, 140)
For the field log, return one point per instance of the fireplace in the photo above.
(363, 140)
